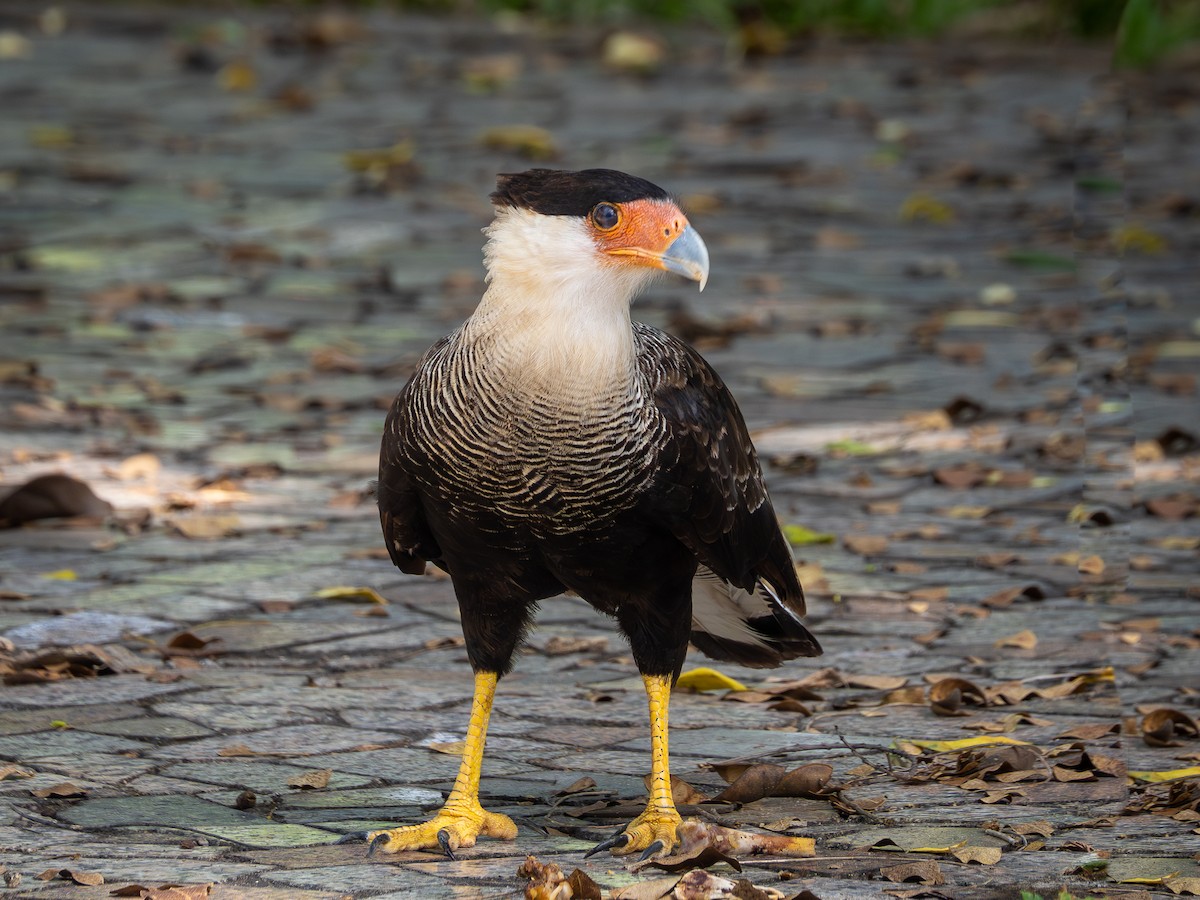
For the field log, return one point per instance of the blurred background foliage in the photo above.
(1141, 32)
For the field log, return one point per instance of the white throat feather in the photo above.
(556, 311)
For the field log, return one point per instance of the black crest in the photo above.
(555, 192)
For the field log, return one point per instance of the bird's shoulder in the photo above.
(708, 480)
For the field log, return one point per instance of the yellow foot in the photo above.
(449, 829)
(654, 832)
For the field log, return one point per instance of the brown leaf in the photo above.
(1162, 726)
(1022, 640)
(961, 477)
(582, 886)
(562, 646)
(187, 640)
(1091, 731)
(237, 750)
(314, 780)
(924, 871)
(986, 856)
(876, 682)
(1041, 826)
(205, 527)
(909, 695)
(9, 770)
(946, 697)
(61, 791)
(767, 780)
(1174, 509)
(681, 792)
(700, 857)
(245, 800)
(179, 892)
(53, 496)
(1091, 565)
(586, 783)
(734, 843)
(80, 877)
(865, 544)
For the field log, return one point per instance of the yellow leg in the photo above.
(461, 820)
(656, 829)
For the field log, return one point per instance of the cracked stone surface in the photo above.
(953, 289)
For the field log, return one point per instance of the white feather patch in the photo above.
(720, 609)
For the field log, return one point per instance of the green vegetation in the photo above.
(1142, 31)
(1064, 894)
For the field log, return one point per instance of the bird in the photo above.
(553, 444)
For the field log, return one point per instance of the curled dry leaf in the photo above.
(1022, 640)
(681, 792)
(947, 696)
(925, 871)
(986, 856)
(767, 780)
(547, 882)
(1161, 727)
(64, 791)
(341, 592)
(734, 843)
(1092, 731)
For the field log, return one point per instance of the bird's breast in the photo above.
(551, 459)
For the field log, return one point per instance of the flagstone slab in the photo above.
(289, 740)
(81, 691)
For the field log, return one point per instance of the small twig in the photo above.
(1011, 841)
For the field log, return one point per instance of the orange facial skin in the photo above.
(652, 233)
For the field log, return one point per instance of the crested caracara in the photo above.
(551, 444)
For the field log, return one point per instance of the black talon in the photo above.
(443, 837)
(651, 850)
(618, 840)
(380, 840)
(352, 837)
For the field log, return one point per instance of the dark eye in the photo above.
(605, 216)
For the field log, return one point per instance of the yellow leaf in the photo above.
(527, 140)
(237, 76)
(60, 575)
(1135, 238)
(1168, 775)
(1160, 879)
(450, 748)
(705, 679)
(964, 743)
(351, 593)
(920, 207)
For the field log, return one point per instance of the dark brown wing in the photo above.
(406, 532)
(708, 489)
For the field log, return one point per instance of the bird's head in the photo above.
(597, 229)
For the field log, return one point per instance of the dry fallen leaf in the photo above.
(1022, 640)
(314, 780)
(946, 697)
(987, 856)
(1161, 727)
(63, 791)
(767, 780)
(350, 593)
(865, 544)
(924, 871)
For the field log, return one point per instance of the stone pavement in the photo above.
(953, 288)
